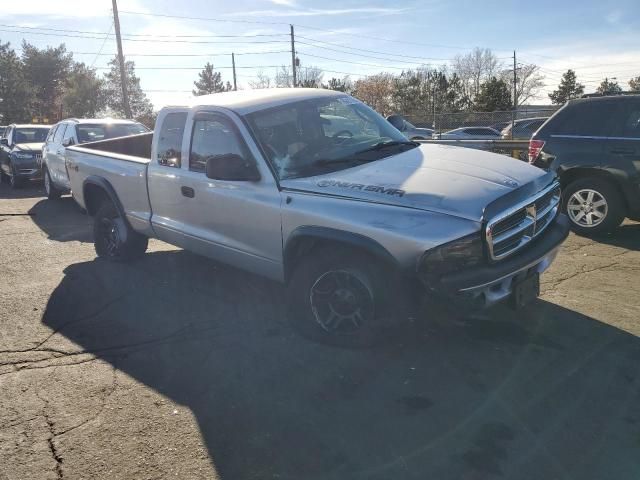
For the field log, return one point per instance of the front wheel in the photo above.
(336, 296)
(114, 239)
(49, 188)
(593, 206)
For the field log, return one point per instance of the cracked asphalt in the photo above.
(177, 367)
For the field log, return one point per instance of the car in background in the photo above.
(522, 129)
(74, 131)
(21, 153)
(469, 133)
(500, 126)
(409, 130)
(593, 145)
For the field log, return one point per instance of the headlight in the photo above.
(466, 252)
(23, 155)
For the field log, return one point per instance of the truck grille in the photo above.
(511, 230)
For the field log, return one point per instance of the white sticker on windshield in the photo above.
(347, 100)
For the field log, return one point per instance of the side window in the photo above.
(212, 136)
(68, 133)
(586, 119)
(170, 141)
(57, 138)
(7, 135)
(627, 121)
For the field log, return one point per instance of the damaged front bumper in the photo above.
(487, 285)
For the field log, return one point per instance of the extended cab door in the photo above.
(164, 177)
(55, 156)
(236, 222)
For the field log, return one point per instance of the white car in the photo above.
(75, 131)
(469, 133)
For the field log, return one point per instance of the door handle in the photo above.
(188, 192)
(623, 151)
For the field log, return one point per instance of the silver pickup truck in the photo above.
(314, 189)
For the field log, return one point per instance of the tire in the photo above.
(114, 239)
(50, 189)
(338, 297)
(15, 182)
(593, 200)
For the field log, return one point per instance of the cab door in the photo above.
(236, 222)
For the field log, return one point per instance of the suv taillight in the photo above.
(535, 146)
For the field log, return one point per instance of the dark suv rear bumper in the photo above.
(484, 286)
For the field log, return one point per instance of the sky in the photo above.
(597, 39)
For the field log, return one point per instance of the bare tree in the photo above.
(377, 92)
(474, 69)
(310, 77)
(529, 82)
(262, 80)
(283, 77)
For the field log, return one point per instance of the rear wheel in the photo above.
(337, 296)
(114, 239)
(593, 206)
(49, 188)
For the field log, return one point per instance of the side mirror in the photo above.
(67, 142)
(4, 141)
(231, 166)
(398, 122)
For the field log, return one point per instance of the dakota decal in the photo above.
(362, 187)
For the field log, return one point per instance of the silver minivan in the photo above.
(75, 131)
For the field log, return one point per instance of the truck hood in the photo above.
(29, 147)
(439, 178)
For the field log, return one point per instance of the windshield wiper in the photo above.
(332, 161)
(391, 143)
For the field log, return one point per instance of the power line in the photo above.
(102, 46)
(196, 68)
(146, 34)
(348, 61)
(178, 54)
(259, 22)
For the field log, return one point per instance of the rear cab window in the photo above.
(57, 138)
(169, 148)
(581, 119)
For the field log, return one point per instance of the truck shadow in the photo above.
(625, 236)
(62, 220)
(28, 191)
(550, 393)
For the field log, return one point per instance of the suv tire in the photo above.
(50, 189)
(337, 296)
(114, 239)
(594, 200)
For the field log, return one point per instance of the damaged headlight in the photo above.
(466, 252)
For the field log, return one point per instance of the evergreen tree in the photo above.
(494, 95)
(569, 88)
(16, 97)
(608, 87)
(634, 84)
(46, 72)
(83, 96)
(209, 81)
(140, 105)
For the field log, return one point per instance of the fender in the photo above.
(107, 188)
(316, 233)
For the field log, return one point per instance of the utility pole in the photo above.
(123, 76)
(293, 57)
(233, 64)
(515, 94)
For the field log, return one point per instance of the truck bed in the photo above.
(122, 163)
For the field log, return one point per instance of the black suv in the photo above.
(593, 144)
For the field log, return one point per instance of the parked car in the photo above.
(410, 131)
(522, 129)
(498, 127)
(469, 133)
(75, 131)
(348, 224)
(593, 144)
(21, 153)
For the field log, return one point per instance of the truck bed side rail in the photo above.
(132, 145)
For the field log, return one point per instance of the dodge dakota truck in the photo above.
(314, 189)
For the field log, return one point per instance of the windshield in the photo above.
(321, 135)
(30, 135)
(92, 132)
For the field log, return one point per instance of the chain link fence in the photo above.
(498, 120)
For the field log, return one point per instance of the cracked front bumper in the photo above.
(484, 286)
